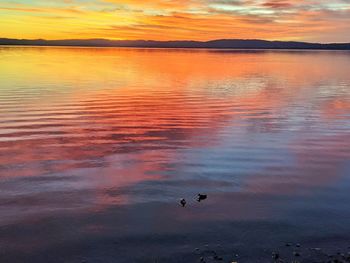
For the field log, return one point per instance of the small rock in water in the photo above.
(216, 257)
(275, 255)
(288, 244)
(201, 197)
(296, 254)
(183, 202)
(297, 245)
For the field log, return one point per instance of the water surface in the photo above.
(97, 145)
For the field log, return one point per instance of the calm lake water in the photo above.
(98, 145)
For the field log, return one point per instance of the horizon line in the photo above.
(251, 44)
(173, 40)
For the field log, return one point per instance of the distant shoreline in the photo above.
(183, 48)
(243, 44)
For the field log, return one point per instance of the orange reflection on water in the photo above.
(115, 118)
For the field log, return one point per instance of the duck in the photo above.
(201, 197)
(183, 202)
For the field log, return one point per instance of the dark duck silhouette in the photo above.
(183, 202)
(201, 197)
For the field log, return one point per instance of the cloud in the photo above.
(278, 4)
(41, 10)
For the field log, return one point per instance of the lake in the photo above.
(98, 145)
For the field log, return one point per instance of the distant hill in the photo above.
(219, 44)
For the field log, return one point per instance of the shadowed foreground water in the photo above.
(97, 146)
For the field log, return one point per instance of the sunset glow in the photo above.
(314, 20)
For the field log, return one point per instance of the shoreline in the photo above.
(251, 44)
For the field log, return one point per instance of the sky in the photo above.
(308, 20)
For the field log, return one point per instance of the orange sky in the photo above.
(311, 20)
